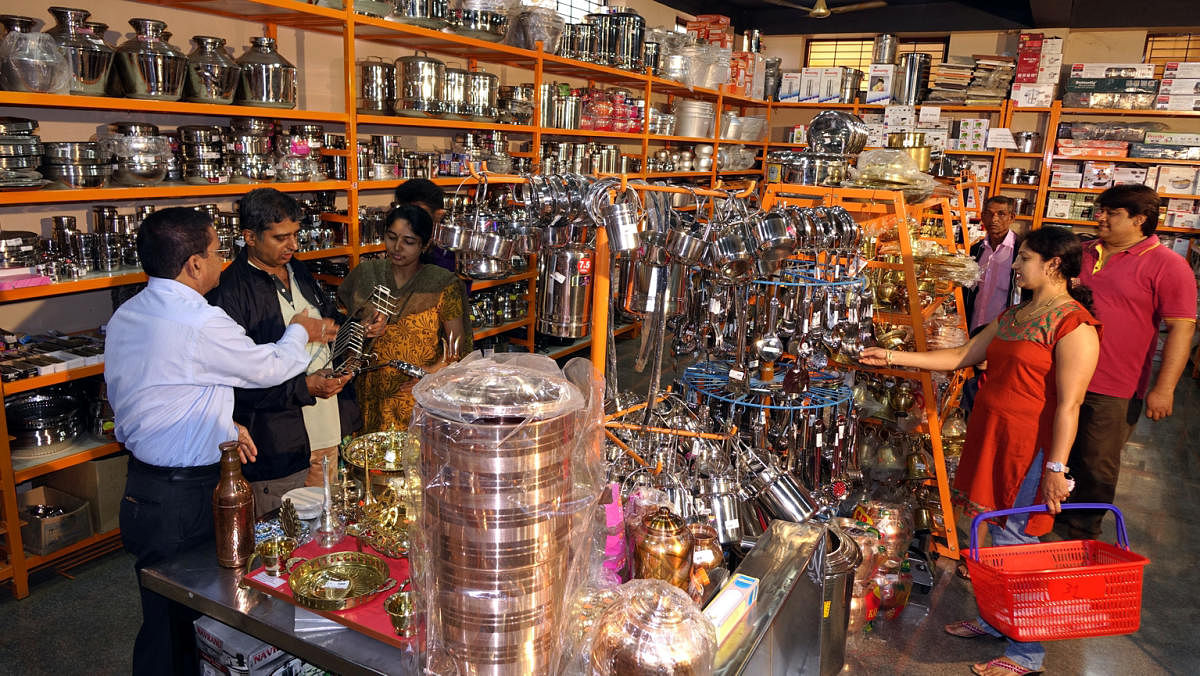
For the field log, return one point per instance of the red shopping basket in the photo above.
(1057, 590)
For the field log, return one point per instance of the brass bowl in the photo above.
(338, 581)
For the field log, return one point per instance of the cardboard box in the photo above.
(831, 83)
(1185, 206)
(810, 85)
(1113, 85)
(1139, 70)
(42, 536)
(1131, 175)
(1180, 86)
(1181, 69)
(1176, 180)
(1177, 102)
(1172, 138)
(225, 650)
(1151, 176)
(1073, 151)
(789, 86)
(1058, 208)
(731, 604)
(1052, 45)
(100, 482)
(881, 80)
(1032, 95)
(715, 19)
(1177, 219)
(1066, 179)
(1098, 174)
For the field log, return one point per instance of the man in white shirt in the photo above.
(171, 363)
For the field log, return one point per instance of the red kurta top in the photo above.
(1013, 416)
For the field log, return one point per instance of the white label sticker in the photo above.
(734, 374)
(714, 306)
(1001, 137)
(753, 364)
(929, 114)
(270, 580)
(628, 230)
(337, 584)
(558, 277)
(732, 523)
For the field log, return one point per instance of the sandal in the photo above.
(1005, 665)
(961, 571)
(966, 629)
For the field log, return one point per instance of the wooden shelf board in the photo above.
(672, 88)
(970, 152)
(161, 191)
(558, 352)
(677, 174)
(282, 12)
(1031, 109)
(417, 38)
(678, 139)
(1097, 191)
(1026, 155)
(1018, 186)
(1093, 224)
(1130, 112)
(1139, 160)
(95, 281)
(561, 66)
(481, 284)
(497, 330)
(84, 449)
(167, 107)
(324, 253)
(52, 379)
(439, 123)
(370, 248)
(33, 562)
(798, 105)
(550, 131)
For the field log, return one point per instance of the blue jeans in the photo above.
(1028, 655)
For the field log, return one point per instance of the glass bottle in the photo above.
(233, 511)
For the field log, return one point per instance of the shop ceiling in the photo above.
(792, 17)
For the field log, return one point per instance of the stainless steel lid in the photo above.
(15, 126)
(126, 128)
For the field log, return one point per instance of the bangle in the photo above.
(887, 357)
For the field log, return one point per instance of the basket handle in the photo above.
(1122, 536)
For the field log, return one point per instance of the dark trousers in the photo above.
(1105, 424)
(165, 512)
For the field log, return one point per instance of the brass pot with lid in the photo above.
(663, 548)
(653, 629)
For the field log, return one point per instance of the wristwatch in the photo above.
(1056, 466)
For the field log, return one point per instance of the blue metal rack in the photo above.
(710, 378)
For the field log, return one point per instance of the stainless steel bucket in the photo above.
(482, 89)
(913, 78)
(420, 85)
(376, 86)
(432, 14)
(454, 91)
(150, 67)
(565, 292)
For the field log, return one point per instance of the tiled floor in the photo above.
(86, 625)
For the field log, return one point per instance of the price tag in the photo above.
(899, 116)
(732, 523)
(1001, 137)
(734, 374)
(273, 581)
(714, 306)
(337, 584)
(585, 266)
(558, 277)
(753, 364)
(930, 114)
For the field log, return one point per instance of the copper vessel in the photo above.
(233, 511)
(663, 548)
(654, 629)
(706, 550)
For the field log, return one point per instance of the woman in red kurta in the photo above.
(1041, 356)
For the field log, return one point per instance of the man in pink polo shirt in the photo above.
(1137, 284)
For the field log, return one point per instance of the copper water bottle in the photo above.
(233, 510)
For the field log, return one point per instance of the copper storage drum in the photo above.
(495, 465)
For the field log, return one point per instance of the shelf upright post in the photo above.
(12, 517)
(536, 146)
(600, 291)
(350, 94)
(1048, 144)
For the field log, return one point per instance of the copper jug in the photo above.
(663, 548)
(233, 511)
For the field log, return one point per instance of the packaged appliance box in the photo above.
(831, 84)
(42, 536)
(1180, 87)
(101, 482)
(1033, 95)
(1186, 206)
(880, 83)
(1177, 102)
(1173, 180)
(1181, 69)
(1138, 70)
(1052, 45)
(810, 85)
(1098, 174)
(1167, 138)
(1058, 208)
(789, 86)
(1113, 85)
(1131, 175)
(225, 650)
(1066, 179)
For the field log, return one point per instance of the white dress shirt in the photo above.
(171, 362)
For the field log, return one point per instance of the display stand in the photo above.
(872, 205)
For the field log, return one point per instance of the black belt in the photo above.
(205, 472)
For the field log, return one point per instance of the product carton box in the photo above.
(1032, 95)
(1177, 102)
(715, 19)
(1139, 70)
(1177, 219)
(789, 86)
(1066, 179)
(42, 536)
(1182, 69)
(1098, 174)
(1186, 206)
(880, 83)
(1113, 85)
(731, 604)
(831, 83)
(1058, 208)
(1180, 87)
(1052, 45)
(1151, 177)
(810, 85)
(1173, 180)
(1130, 175)
(100, 482)
(225, 650)
(1172, 138)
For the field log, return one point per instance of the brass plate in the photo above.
(338, 581)
(386, 451)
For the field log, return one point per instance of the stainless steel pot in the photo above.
(620, 34)
(42, 422)
(693, 118)
(565, 292)
(78, 175)
(267, 79)
(212, 74)
(478, 24)
(251, 168)
(454, 91)
(90, 58)
(913, 78)
(432, 14)
(150, 67)
(648, 282)
(816, 169)
(139, 170)
(883, 50)
(482, 88)
(73, 152)
(249, 144)
(376, 86)
(1028, 141)
(851, 86)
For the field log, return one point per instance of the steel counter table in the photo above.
(194, 579)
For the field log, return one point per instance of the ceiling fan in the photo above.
(821, 10)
